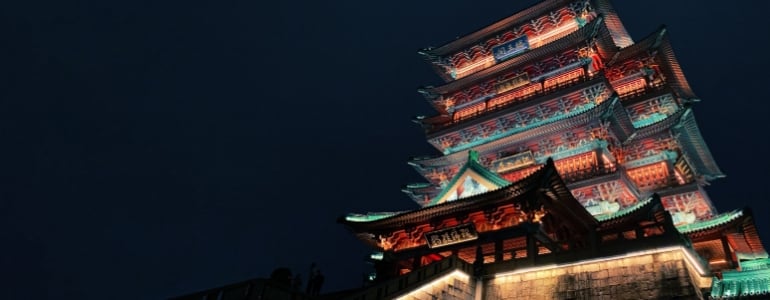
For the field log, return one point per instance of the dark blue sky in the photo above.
(156, 148)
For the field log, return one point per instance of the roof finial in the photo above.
(473, 156)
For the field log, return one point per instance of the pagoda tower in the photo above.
(571, 166)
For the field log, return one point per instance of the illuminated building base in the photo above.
(662, 273)
(672, 272)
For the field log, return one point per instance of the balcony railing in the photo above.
(517, 100)
(641, 92)
(575, 175)
(651, 183)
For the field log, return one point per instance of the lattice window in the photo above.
(515, 95)
(652, 111)
(469, 111)
(563, 78)
(595, 94)
(650, 176)
(687, 207)
(630, 87)
(575, 164)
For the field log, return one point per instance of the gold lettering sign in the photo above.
(452, 235)
(512, 83)
(512, 162)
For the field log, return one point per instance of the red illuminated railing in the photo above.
(587, 172)
(519, 98)
(652, 176)
(639, 92)
(562, 78)
(629, 84)
(469, 111)
(513, 95)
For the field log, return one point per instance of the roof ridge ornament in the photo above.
(595, 30)
(659, 39)
(473, 155)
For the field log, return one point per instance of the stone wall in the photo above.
(450, 288)
(448, 279)
(663, 275)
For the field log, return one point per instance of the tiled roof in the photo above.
(716, 221)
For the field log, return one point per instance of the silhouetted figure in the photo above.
(318, 281)
(310, 279)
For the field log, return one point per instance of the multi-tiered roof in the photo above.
(560, 89)
(615, 116)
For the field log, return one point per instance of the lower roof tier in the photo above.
(528, 120)
(601, 187)
(676, 138)
(498, 228)
(539, 215)
(723, 241)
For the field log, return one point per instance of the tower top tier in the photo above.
(525, 30)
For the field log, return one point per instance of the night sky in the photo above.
(156, 148)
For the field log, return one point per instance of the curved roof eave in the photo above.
(575, 38)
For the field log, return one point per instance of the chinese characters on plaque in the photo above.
(452, 235)
(512, 162)
(509, 84)
(511, 48)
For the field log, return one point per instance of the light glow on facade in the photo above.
(542, 39)
(478, 65)
(691, 259)
(437, 283)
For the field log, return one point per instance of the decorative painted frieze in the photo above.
(524, 119)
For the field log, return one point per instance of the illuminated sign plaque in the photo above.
(511, 48)
(513, 162)
(509, 84)
(452, 235)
